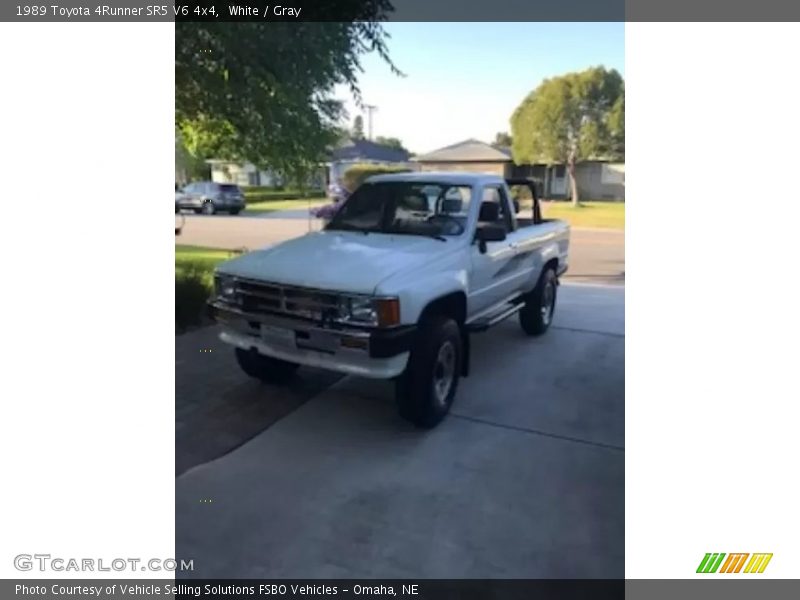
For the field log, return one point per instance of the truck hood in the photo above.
(336, 260)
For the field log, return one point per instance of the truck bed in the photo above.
(524, 222)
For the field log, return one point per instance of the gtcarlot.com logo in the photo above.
(712, 562)
(45, 562)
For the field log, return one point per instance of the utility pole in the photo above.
(370, 108)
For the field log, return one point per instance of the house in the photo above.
(356, 151)
(470, 155)
(597, 179)
(341, 158)
(245, 174)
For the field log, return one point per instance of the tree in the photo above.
(574, 117)
(502, 140)
(263, 91)
(188, 166)
(358, 128)
(390, 142)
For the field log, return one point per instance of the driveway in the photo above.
(524, 479)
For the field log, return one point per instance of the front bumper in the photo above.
(375, 353)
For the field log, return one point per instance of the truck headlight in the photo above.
(361, 310)
(225, 287)
(377, 312)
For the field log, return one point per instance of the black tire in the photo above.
(208, 208)
(421, 396)
(265, 368)
(540, 305)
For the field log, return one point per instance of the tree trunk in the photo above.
(573, 184)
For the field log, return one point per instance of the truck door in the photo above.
(492, 277)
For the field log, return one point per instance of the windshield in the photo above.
(402, 207)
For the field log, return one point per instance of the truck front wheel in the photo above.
(265, 368)
(426, 390)
(537, 314)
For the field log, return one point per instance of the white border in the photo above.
(87, 428)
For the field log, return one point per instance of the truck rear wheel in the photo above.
(265, 368)
(537, 314)
(426, 390)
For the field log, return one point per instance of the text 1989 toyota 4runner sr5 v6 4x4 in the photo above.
(392, 288)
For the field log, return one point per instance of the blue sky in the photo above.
(463, 80)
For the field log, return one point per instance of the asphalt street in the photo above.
(321, 478)
(596, 255)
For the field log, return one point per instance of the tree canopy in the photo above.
(263, 92)
(390, 142)
(574, 117)
(502, 140)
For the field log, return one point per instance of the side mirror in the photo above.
(516, 206)
(489, 233)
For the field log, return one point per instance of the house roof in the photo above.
(467, 151)
(434, 177)
(366, 150)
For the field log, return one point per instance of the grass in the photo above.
(606, 215)
(194, 280)
(203, 258)
(283, 204)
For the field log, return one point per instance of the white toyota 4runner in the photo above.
(392, 288)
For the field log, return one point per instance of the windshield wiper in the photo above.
(434, 236)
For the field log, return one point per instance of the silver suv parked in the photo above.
(208, 198)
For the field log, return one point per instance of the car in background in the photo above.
(208, 198)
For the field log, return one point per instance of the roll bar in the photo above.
(531, 184)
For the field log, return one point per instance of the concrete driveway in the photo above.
(524, 479)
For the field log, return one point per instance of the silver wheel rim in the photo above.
(444, 371)
(208, 208)
(548, 299)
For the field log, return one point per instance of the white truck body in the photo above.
(274, 300)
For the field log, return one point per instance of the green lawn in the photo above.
(194, 269)
(210, 256)
(205, 258)
(607, 215)
(283, 204)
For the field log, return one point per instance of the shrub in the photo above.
(262, 194)
(193, 283)
(355, 175)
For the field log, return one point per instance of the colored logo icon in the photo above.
(734, 563)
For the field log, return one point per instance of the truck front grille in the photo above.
(269, 298)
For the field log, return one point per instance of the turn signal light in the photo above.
(388, 310)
